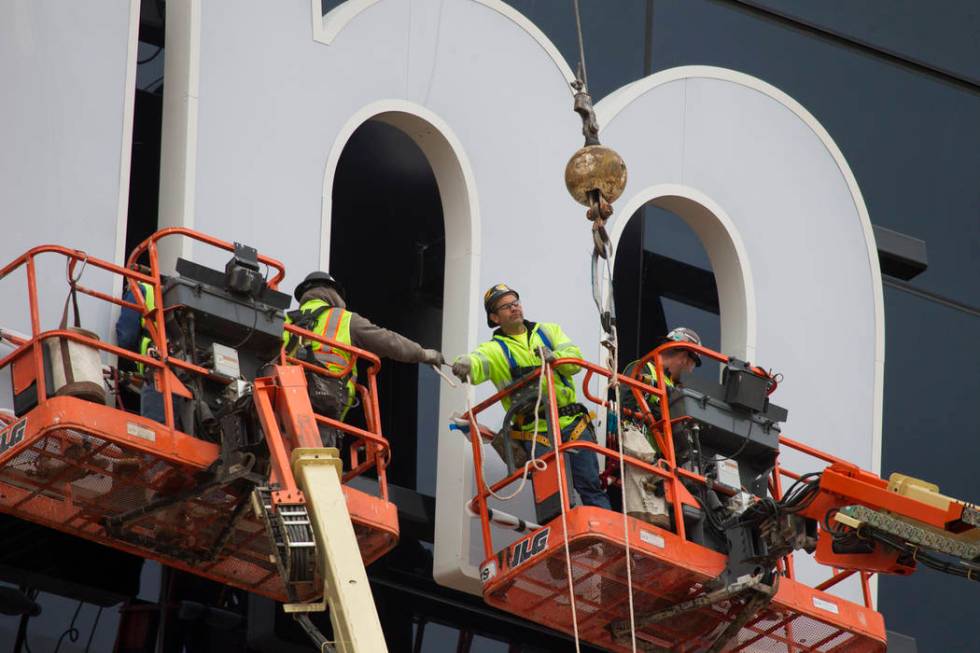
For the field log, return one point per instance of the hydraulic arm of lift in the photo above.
(308, 518)
(873, 525)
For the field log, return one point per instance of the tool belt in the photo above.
(329, 396)
(571, 410)
(509, 442)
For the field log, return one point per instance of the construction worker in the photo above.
(641, 494)
(515, 351)
(323, 310)
(132, 334)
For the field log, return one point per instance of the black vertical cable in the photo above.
(581, 46)
(648, 40)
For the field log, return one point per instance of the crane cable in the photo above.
(607, 318)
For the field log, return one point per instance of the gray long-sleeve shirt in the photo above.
(382, 342)
(364, 334)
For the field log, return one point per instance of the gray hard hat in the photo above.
(683, 334)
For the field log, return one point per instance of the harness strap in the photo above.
(516, 371)
(303, 320)
(544, 440)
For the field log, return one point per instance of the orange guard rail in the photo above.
(854, 628)
(106, 432)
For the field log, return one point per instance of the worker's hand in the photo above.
(461, 368)
(549, 355)
(432, 357)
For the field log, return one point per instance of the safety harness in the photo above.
(524, 413)
(303, 320)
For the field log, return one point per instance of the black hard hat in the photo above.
(314, 279)
(491, 296)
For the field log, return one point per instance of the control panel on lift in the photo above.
(729, 432)
(229, 322)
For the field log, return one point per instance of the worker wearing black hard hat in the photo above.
(642, 498)
(323, 310)
(516, 349)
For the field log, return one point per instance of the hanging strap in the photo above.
(73, 299)
(63, 342)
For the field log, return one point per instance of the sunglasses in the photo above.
(506, 307)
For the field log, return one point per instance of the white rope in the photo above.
(623, 485)
(445, 377)
(559, 466)
(538, 465)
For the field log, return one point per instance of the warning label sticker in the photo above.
(140, 431)
(652, 538)
(829, 606)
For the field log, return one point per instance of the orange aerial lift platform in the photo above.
(231, 482)
(720, 577)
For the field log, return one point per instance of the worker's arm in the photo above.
(485, 363)
(387, 344)
(563, 348)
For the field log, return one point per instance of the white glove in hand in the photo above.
(549, 355)
(461, 368)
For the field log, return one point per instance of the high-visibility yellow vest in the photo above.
(149, 297)
(504, 358)
(331, 322)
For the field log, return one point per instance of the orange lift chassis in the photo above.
(722, 576)
(232, 483)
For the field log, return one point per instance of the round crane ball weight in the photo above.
(595, 167)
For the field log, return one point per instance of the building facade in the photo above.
(776, 153)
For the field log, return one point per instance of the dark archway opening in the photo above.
(387, 246)
(663, 279)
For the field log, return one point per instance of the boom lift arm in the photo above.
(308, 519)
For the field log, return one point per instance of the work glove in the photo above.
(461, 368)
(432, 357)
(549, 355)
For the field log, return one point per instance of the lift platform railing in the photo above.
(665, 467)
(377, 448)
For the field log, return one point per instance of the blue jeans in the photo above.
(151, 405)
(151, 402)
(585, 467)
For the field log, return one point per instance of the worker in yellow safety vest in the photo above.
(643, 499)
(323, 310)
(514, 351)
(132, 334)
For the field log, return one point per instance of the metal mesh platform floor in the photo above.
(665, 571)
(74, 477)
